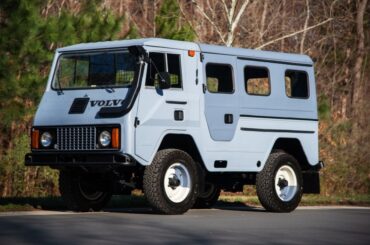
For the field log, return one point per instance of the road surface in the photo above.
(224, 225)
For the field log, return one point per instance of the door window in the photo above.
(164, 63)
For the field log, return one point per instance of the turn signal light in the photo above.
(35, 139)
(115, 138)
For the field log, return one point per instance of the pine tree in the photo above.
(169, 24)
(27, 43)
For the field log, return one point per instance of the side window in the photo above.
(159, 61)
(257, 80)
(165, 63)
(296, 84)
(219, 78)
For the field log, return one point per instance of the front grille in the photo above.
(76, 138)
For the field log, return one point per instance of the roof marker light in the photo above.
(191, 53)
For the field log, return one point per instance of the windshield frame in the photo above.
(55, 85)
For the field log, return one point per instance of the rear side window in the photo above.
(165, 63)
(296, 84)
(219, 78)
(257, 80)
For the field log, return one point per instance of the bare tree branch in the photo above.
(201, 11)
(294, 33)
(234, 23)
(305, 26)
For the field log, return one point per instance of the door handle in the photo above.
(229, 118)
(179, 115)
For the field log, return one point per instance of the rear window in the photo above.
(296, 84)
(257, 80)
(219, 78)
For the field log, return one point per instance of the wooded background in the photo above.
(335, 33)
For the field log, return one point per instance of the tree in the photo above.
(27, 41)
(169, 24)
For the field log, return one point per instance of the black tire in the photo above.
(154, 182)
(265, 183)
(209, 197)
(80, 191)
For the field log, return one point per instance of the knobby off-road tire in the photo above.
(209, 197)
(171, 182)
(79, 193)
(279, 184)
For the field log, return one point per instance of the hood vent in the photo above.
(79, 106)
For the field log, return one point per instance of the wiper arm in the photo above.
(60, 90)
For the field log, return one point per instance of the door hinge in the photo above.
(201, 57)
(204, 88)
(137, 122)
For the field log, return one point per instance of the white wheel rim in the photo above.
(180, 191)
(286, 183)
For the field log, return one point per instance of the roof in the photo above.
(205, 48)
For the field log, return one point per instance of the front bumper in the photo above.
(60, 159)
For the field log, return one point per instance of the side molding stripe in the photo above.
(277, 130)
(288, 118)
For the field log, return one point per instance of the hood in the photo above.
(55, 108)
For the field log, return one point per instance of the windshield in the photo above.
(95, 70)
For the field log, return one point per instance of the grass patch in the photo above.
(138, 200)
(15, 207)
(307, 200)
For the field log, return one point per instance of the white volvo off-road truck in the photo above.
(179, 120)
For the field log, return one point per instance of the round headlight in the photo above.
(46, 139)
(105, 138)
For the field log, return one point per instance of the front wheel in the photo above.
(279, 184)
(82, 191)
(171, 182)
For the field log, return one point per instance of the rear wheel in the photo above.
(171, 182)
(209, 197)
(279, 184)
(82, 191)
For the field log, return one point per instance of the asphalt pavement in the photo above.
(223, 225)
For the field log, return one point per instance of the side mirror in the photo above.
(163, 80)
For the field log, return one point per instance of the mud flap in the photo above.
(311, 182)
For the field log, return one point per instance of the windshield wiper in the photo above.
(60, 90)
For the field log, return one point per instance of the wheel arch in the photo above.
(293, 147)
(185, 143)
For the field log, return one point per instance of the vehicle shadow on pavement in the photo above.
(237, 207)
(220, 205)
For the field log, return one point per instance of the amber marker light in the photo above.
(115, 138)
(35, 139)
(191, 53)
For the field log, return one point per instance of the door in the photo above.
(160, 110)
(221, 102)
